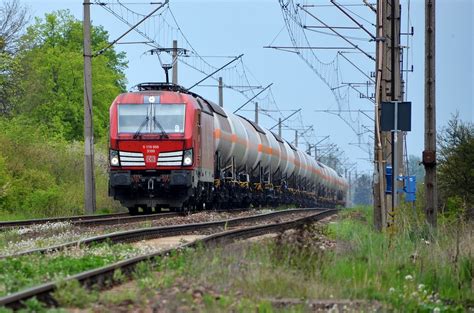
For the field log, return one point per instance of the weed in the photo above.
(33, 305)
(71, 294)
(119, 276)
(142, 270)
(127, 296)
(145, 278)
(146, 224)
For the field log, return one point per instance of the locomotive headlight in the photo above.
(114, 158)
(188, 157)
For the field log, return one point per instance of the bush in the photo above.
(42, 176)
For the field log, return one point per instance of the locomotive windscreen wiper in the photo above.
(163, 132)
(139, 130)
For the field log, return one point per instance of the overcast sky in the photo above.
(229, 28)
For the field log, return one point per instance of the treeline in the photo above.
(41, 111)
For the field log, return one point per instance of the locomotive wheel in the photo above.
(133, 210)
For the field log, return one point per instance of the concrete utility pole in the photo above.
(89, 180)
(174, 80)
(429, 154)
(379, 164)
(221, 92)
(279, 126)
(349, 202)
(256, 112)
(395, 93)
(388, 88)
(296, 138)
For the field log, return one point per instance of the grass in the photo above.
(413, 271)
(406, 272)
(26, 271)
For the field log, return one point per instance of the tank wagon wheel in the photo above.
(246, 202)
(135, 210)
(186, 207)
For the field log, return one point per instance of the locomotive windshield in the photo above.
(151, 118)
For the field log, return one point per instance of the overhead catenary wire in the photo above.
(162, 27)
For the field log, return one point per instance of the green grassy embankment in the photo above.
(41, 175)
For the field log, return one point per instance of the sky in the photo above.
(230, 28)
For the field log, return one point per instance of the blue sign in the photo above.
(388, 179)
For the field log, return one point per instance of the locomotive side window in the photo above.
(151, 118)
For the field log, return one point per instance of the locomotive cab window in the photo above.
(151, 118)
(131, 117)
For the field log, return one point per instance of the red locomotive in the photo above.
(171, 148)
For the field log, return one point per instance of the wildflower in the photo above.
(409, 277)
(436, 310)
(391, 290)
(421, 287)
(322, 247)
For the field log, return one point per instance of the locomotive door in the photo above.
(206, 134)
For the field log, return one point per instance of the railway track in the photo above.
(102, 277)
(90, 220)
(20, 223)
(162, 231)
(99, 220)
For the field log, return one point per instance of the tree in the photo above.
(13, 19)
(10, 91)
(456, 157)
(52, 72)
(415, 168)
(363, 190)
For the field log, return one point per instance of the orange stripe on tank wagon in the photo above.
(218, 133)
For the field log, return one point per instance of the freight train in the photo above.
(171, 148)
